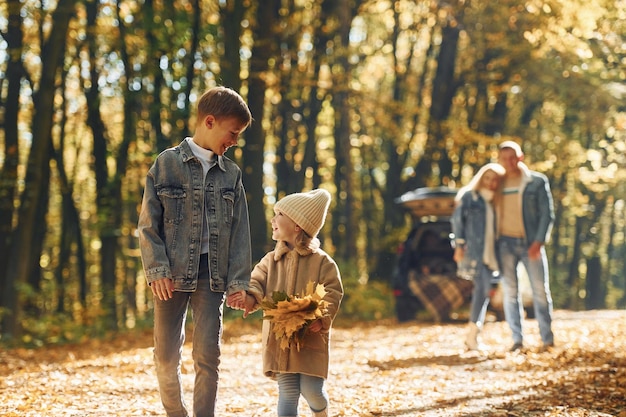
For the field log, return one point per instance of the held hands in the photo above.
(236, 300)
(241, 301)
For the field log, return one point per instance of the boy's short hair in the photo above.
(222, 103)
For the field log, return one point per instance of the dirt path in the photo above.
(383, 369)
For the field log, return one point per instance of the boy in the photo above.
(194, 237)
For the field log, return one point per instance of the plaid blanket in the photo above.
(440, 294)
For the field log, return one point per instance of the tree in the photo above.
(20, 255)
(15, 72)
(253, 157)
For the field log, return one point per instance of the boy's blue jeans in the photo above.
(290, 386)
(511, 252)
(169, 336)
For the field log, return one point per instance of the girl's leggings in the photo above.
(290, 386)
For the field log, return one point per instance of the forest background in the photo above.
(368, 99)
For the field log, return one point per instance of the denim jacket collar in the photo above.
(187, 155)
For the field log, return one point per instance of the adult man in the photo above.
(525, 218)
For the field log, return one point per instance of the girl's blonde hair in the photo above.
(474, 183)
(303, 241)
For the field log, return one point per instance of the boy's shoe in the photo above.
(516, 346)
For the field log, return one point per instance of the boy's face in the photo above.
(219, 135)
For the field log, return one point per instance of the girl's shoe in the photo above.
(471, 340)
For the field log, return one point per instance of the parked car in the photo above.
(424, 277)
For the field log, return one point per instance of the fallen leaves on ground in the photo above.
(377, 369)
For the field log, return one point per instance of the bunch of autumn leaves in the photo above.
(292, 315)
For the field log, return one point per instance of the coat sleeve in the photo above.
(330, 277)
(545, 211)
(258, 280)
(154, 257)
(240, 262)
(457, 221)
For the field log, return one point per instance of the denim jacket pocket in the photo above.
(173, 200)
(228, 197)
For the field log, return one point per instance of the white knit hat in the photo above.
(307, 210)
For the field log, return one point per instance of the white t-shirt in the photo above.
(207, 159)
(512, 222)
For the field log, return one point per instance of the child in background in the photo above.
(296, 261)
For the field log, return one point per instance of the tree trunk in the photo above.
(230, 63)
(8, 174)
(253, 153)
(108, 191)
(444, 84)
(558, 218)
(154, 54)
(191, 65)
(443, 91)
(594, 298)
(19, 259)
(39, 234)
(573, 276)
(345, 223)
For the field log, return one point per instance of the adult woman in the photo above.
(474, 227)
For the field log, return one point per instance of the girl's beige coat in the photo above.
(290, 271)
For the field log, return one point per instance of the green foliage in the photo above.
(363, 301)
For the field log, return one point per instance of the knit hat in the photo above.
(307, 210)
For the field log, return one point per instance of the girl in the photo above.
(296, 261)
(474, 227)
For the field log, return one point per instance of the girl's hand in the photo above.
(248, 305)
(316, 326)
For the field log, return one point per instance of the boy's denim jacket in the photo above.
(537, 206)
(170, 222)
(468, 226)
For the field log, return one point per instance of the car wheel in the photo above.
(406, 308)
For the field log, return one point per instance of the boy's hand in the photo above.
(236, 300)
(163, 289)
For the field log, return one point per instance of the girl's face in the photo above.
(283, 228)
(490, 180)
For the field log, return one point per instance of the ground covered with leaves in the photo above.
(377, 369)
